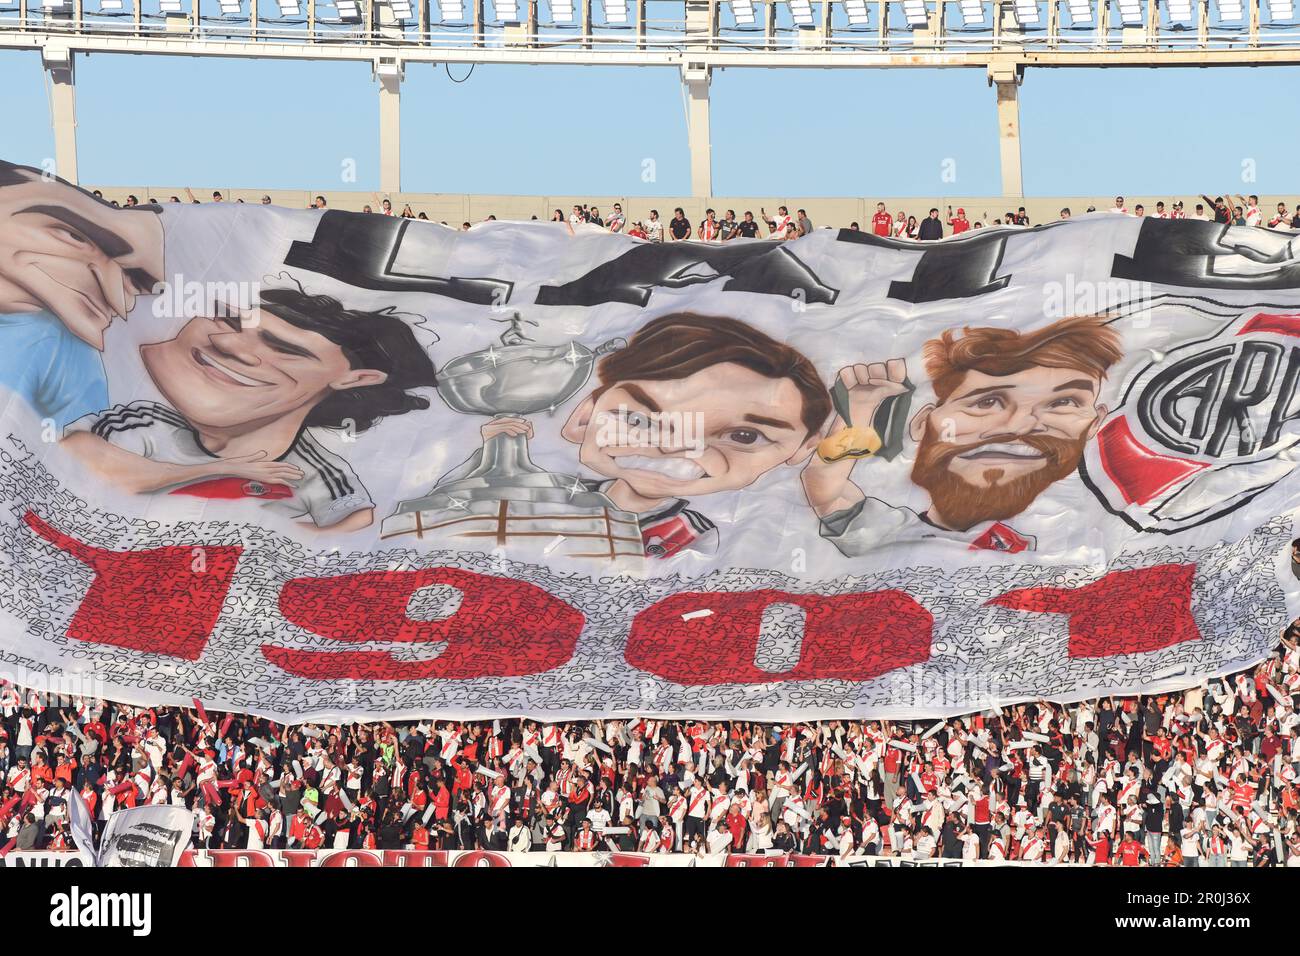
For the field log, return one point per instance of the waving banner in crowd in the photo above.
(316, 465)
(147, 836)
(493, 859)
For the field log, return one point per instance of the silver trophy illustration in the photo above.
(500, 496)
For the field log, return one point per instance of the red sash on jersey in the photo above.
(501, 801)
(1000, 537)
(230, 487)
(665, 538)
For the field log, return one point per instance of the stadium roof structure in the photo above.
(695, 36)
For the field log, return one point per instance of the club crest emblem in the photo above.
(1203, 428)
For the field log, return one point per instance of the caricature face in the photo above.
(226, 372)
(85, 262)
(997, 442)
(735, 425)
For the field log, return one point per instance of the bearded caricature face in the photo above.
(997, 442)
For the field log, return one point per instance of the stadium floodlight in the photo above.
(348, 10)
(561, 11)
(107, 5)
(402, 9)
(1080, 11)
(1026, 11)
(856, 11)
(1180, 11)
(229, 6)
(743, 11)
(1281, 10)
(915, 12)
(452, 9)
(170, 6)
(1230, 9)
(972, 12)
(1130, 12)
(801, 10)
(507, 11)
(615, 11)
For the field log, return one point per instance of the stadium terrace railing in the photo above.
(892, 32)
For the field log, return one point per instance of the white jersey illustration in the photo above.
(870, 523)
(328, 492)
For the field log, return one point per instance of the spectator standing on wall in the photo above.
(931, 228)
(679, 227)
(727, 228)
(616, 219)
(882, 223)
(747, 228)
(959, 222)
(654, 229)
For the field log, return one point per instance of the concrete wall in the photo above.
(455, 208)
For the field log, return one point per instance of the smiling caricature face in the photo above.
(1000, 428)
(997, 441)
(82, 260)
(225, 372)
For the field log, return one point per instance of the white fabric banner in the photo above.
(348, 466)
(82, 828)
(150, 836)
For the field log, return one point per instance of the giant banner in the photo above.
(337, 465)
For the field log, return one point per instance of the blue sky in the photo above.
(560, 130)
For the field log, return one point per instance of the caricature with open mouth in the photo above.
(693, 405)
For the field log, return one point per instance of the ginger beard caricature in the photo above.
(692, 405)
(243, 393)
(69, 265)
(1013, 414)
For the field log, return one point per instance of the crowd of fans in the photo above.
(1238, 210)
(1235, 209)
(1201, 777)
